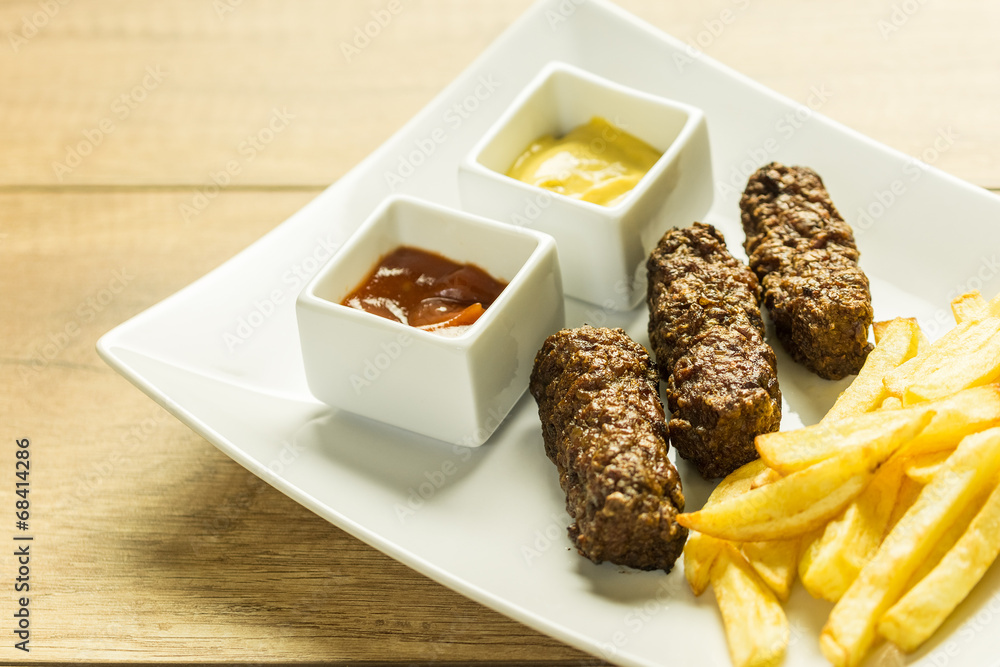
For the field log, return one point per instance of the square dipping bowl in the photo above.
(602, 249)
(459, 388)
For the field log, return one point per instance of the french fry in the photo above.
(960, 343)
(976, 367)
(700, 551)
(850, 630)
(831, 559)
(791, 451)
(775, 562)
(896, 343)
(879, 329)
(956, 528)
(743, 479)
(968, 411)
(922, 343)
(956, 340)
(923, 468)
(961, 414)
(831, 563)
(802, 502)
(919, 613)
(968, 306)
(891, 403)
(993, 306)
(909, 491)
(757, 629)
(769, 562)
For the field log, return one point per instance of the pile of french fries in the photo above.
(889, 507)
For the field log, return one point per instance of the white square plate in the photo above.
(223, 354)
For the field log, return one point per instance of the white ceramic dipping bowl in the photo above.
(602, 249)
(457, 389)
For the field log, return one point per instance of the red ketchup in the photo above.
(426, 291)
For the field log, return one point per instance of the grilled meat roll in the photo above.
(706, 330)
(603, 427)
(807, 262)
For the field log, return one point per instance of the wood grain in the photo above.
(151, 546)
(223, 75)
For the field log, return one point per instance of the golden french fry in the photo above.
(976, 367)
(700, 552)
(961, 414)
(891, 403)
(775, 562)
(957, 344)
(797, 504)
(879, 329)
(831, 563)
(897, 343)
(850, 630)
(956, 340)
(968, 306)
(923, 468)
(805, 500)
(909, 491)
(919, 613)
(993, 306)
(956, 416)
(791, 451)
(922, 343)
(768, 476)
(956, 528)
(743, 479)
(757, 630)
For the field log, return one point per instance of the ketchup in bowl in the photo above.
(426, 291)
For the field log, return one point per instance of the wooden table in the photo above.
(150, 545)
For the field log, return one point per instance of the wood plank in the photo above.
(225, 76)
(222, 79)
(150, 544)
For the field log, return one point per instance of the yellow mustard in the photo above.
(596, 162)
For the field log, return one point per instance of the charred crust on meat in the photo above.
(707, 333)
(804, 254)
(603, 427)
